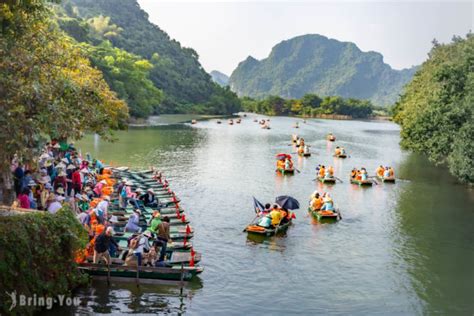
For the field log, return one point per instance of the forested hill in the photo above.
(316, 64)
(173, 69)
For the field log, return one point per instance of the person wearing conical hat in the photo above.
(328, 203)
(155, 222)
(133, 222)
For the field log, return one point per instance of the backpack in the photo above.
(134, 242)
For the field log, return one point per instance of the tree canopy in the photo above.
(48, 86)
(436, 111)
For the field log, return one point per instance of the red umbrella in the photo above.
(283, 156)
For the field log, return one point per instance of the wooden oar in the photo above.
(297, 170)
(338, 179)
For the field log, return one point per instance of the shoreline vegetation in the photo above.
(436, 111)
(313, 106)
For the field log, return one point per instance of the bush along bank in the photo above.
(37, 259)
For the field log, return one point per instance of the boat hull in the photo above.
(365, 183)
(327, 180)
(286, 171)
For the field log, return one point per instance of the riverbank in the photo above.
(169, 119)
(337, 117)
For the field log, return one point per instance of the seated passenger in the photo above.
(328, 204)
(337, 151)
(380, 171)
(322, 172)
(330, 172)
(363, 174)
(275, 215)
(317, 202)
(386, 173)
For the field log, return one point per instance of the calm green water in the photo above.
(404, 248)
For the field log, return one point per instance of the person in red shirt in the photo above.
(23, 198)
(76, 181)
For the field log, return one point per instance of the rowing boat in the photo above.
(259, 230)
(286, 171)
(324, 216)
(388, 180)
(304, 154)
(331, 180)
(361, 182)
(331, 138)
(341, 156)
(150, 275)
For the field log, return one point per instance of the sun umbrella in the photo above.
(283, 156)
(287, 202)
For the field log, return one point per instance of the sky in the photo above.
(225, 32)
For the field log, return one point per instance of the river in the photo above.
(404, 248)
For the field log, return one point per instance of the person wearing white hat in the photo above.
(104, 206)
(55, 204)
(133, 222)
(143, 244)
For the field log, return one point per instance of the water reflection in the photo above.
(437, 248)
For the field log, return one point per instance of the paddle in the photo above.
(338, 179)
(297, 170)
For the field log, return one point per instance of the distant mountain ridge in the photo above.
(219, 78)
(316, 64)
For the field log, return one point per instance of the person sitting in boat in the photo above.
(149, 198)
(322, 172)
(275, 215)
(301, 142)
(386, 173)
(329, 172)
(354, 172)
(288, 164)
(306, 149)
(379, 171)
(317, 169)
(342, 151)
(337, 151)
(316, 202)
(363, 174)
(281, 164)
(391, 172)
(133, 222)
(266, 210)
(328, 204)
(285, 216)
(265, 221)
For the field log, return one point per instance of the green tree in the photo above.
(436, 109)
(48, 88)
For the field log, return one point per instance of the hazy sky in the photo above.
(225, 32)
